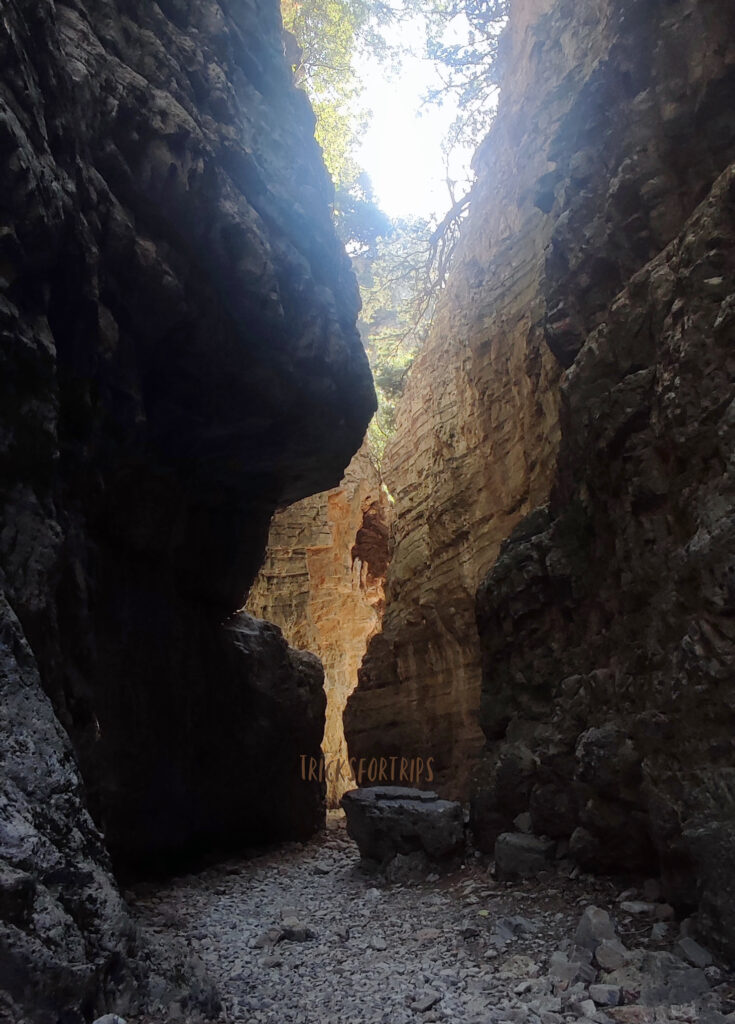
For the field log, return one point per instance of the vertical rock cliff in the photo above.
(476, 429)
(590, 302)
(607, 623)
(605, 626)
(178, 357)
(322, 583)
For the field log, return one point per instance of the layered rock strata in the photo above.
(178, 357)
(322, 583)
(474, 445)
(614, 120)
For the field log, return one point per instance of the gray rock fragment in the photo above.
(269, 938)
(594, 927)
(570, 969)
(524, 823)
(689, 949)
(637, 907)
(605, 995)
(426, 1000)
(518, 855)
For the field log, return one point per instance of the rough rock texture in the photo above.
(459, 949)
(67, 943)
(518, 855)
(474, 443)
(41, 936)
(608, 621)
(615, 118)
(388, 821)
(322, 583)
(178, 355)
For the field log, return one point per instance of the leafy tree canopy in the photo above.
(401, 265)
(396, 314)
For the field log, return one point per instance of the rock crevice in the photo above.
(322, 583)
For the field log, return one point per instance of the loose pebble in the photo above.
(302, 935)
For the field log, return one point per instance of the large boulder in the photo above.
(387, 821)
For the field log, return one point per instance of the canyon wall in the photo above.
(476, 429)
(608, 622)
(179, 357)
(589, 306)
(322, 583)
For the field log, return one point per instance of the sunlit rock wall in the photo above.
(476, 434)
(322, 583)
(178, 356)
(615, 117)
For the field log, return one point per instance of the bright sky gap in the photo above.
(402, 148)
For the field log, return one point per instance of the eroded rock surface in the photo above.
(178, 356)
(52, 950)
(615, 118)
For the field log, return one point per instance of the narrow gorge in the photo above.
(323, 583)
(209, 585)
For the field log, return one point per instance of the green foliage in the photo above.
(396, 314)
(401, 266)
(359, 220)
(462, 38)
(327, 33)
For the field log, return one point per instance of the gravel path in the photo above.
(302, 935)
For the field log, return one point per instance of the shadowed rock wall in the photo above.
(178, 356)
(608, 622)
(605, 624)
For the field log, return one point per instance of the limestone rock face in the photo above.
(615, 118)
(178, 356)
(473, 450)
(322, 583)
(607, 622)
